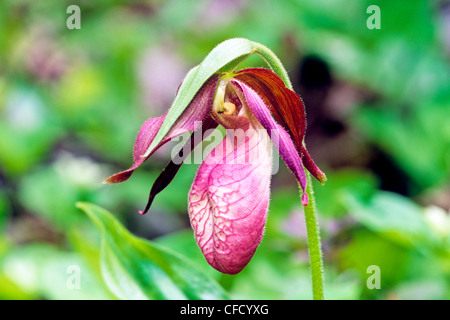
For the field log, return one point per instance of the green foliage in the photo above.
(72, 102)
(39, 270)
(137, 269)
(418, 141)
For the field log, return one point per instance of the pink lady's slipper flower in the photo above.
(229, 198)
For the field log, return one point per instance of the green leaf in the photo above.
(135, 268)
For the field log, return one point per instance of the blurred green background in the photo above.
(378, 110)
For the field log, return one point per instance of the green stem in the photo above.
(314, 245)
(312, 225)
(274, 63)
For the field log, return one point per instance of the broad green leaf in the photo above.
(224, 57)
(135, 268)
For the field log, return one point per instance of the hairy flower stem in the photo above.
(312, 224)
(274, 63)
(314, 245)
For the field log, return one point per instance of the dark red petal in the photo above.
(286, 107)
(312, 167)
(279, 136)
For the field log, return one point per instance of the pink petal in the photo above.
(229, 199)
(191, 118)
(278, 134)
